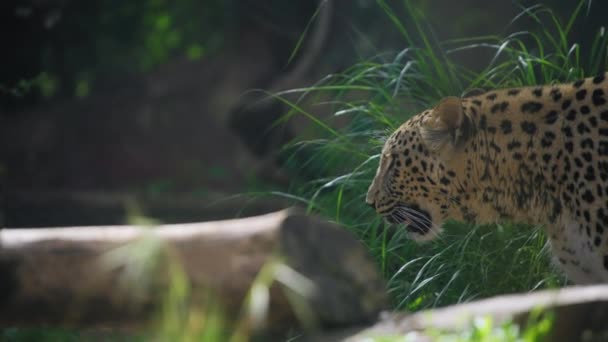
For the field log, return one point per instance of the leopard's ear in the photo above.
(446, 126)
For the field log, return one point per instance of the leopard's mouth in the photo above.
(417, 220)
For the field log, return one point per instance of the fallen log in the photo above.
(119, 276)
(576, 314)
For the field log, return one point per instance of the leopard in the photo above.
(535, 155)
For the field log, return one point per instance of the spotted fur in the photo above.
(535, 155)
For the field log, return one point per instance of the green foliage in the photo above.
(157, 30)
(111, 39)
(46, 83)
(467, 261)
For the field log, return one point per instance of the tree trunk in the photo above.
(121, 275)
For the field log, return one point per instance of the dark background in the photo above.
(109, 107)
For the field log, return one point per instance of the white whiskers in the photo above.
(415, 218)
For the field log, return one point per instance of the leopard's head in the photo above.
(414, 183)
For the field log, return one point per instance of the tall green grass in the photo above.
(377, 95)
